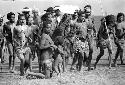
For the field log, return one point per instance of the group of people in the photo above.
(54, 38)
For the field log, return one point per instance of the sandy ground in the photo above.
(100, 76)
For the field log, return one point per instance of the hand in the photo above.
(54, 46)
(5, 35)
(30, 40)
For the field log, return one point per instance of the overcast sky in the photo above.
(109, 6)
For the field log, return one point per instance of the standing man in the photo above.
(58, 16)
(1, 24)
(27, 13)
(8, 33)
(32, 35)
(20, 42)
(1, 39)
(91, 33)
(49, 12)
(36, 17)
(81, 32)
(51, 15)
(73, 20)
(120, 33)
(103, 36)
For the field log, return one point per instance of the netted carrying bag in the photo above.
(80, 46)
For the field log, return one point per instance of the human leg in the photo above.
(90, 55)
(80, 61)
(75, 58)
(11, 56)
(99, 56)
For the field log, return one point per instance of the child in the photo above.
(46, 47)
(58, 54)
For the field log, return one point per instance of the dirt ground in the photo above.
(100, 76)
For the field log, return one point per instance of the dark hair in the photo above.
(80, 13)
(119, 15)
(9, 15)
(110, 19)
(45, 16)
(45, 23)
(88, 6)
(50, 9)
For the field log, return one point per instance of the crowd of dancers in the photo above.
(55, 37)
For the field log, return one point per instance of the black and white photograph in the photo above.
(62, 42)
